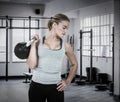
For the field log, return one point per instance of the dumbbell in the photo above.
(22, 49)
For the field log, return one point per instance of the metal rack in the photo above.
(81, 81)
(91, 64)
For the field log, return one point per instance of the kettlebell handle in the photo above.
(30, 42)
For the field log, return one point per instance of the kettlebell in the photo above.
(21, 50)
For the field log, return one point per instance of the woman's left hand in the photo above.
(62, 85)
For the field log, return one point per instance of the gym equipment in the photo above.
(81, 81)
(102, 81)
(93, 76)
(111, 85)
(28, 77)
(22, 49)
(103, 77)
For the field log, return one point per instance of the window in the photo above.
(2, 40)
(102, 35)
(19, 30)
(2, 45)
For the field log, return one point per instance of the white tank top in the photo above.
(49, 66)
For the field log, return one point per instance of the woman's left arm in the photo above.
(74, 65)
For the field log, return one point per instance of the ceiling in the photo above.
(27, 1)
(37, 1)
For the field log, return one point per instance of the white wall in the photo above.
(20, 9)
(68, 5)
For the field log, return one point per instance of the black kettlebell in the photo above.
(21, 50)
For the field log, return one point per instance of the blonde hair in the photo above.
(57, 19)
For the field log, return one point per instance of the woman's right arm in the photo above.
(32, 59)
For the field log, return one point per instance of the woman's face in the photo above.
(61, 28)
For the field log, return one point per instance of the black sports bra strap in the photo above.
(43, 40)
(60, 41)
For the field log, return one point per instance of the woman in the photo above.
(45, 58)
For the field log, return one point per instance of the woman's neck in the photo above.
(52, 41)
(52, 36)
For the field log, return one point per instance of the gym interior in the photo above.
(94, 34)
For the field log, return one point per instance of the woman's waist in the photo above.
(46, 78)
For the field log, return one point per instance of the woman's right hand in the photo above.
(37, 41)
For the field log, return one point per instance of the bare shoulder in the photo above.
(68, 47)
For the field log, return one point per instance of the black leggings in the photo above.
(41, 93)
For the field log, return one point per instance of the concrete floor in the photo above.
(17, 91)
